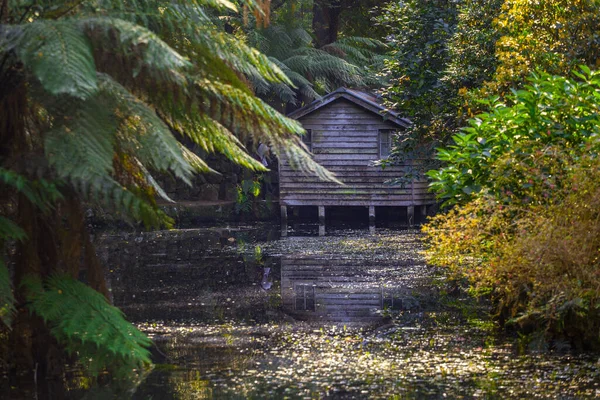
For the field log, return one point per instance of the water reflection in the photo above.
(338, 290)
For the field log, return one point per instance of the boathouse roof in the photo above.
(362, 99)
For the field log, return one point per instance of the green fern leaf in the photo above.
(39, 192)
(87, 323)
(110, 194)
(10, 230)
(83, 144)
(140, 45)
(59, 55)
(143, 134)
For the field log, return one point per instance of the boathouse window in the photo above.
(305, 297)
(307, 139)
(385, 142)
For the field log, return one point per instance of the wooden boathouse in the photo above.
(347, 131)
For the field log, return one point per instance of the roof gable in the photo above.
(359, 98)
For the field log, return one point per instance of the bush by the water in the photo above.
(526, 227)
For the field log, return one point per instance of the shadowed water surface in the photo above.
(237, 312)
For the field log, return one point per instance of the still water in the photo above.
(240, 312)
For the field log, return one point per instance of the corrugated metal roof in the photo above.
(363, 99)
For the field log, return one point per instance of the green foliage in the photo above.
(97, 107)
(419, 33)
(39, 191)
(82, 320)
(59, 55)
(439, 50)
(539, 262)
(526, 231)
(471, 49)
(550, 110)
(552, 35)
(10, 230)
(247, 191)
(94, 95)
(350, 61)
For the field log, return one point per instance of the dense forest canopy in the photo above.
(96, 97)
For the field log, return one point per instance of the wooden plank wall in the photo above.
(345, 141)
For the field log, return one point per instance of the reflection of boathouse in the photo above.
(347, 131)
(336, 290)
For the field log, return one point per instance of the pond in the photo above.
(239, 312)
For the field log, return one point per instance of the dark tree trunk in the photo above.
(326, 21)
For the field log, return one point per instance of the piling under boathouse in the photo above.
(347, 130)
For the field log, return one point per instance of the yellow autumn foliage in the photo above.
(539, 261)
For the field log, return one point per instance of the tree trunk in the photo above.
(326, 21)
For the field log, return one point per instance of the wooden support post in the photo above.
(410, 215)
(372, 219)
(296, 212)
(423, 212)
(321, 215)
(321, 220)
(284, 218)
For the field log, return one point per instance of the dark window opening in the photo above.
(305, 297)
(385, 142)
(391, 301)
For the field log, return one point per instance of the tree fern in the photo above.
(145, 48)
(291, 48)
(94, 94)
(86, 324)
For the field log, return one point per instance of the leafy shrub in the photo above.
(540, 262)
(551, 110)
(526, 228)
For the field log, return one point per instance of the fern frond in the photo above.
(301, 160)
(210, 135)
(243, 115)
(238, 54)
(362, 43)
(203, 38)
(58, 54)
(284, 93)
(39, 192)
(81, 144)
(198, 164)
(140, 45)
(112, 195)
(241, 112)
(82, 319)
(143, 134)
(154, 185)
(7, 299)
(300, 37)
(10, 230)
